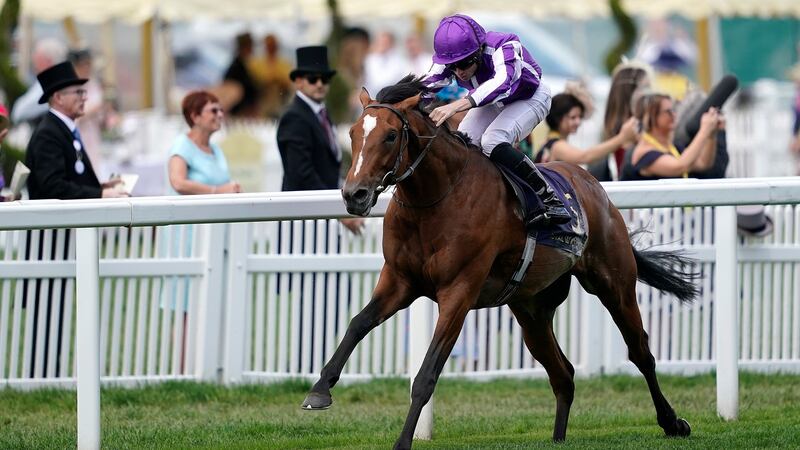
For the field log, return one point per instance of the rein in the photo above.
(391, 179)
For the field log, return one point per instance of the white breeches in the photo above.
(494, 124)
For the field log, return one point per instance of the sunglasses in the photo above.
(79, 92)
(669, 111)
(312, 79)
(215, 110)
(464, 64)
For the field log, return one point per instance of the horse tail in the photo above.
(669, 271)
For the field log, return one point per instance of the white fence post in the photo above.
(421, 322)
(88, 338)
(726, 306)
(236, 303)
(212, 291)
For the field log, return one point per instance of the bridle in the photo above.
(390, 178)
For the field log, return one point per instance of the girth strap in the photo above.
(519, 275)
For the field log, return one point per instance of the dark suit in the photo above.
(308, 161)
(51, 157)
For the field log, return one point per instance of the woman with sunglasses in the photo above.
(655, 156)
(197, 166)
(506, 100)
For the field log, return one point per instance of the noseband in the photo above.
(390, 178)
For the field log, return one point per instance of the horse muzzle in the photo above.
(359, 200)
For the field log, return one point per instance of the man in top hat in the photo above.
(306, 138)
(60, 167)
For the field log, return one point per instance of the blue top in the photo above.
(202, 167)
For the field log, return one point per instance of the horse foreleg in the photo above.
(390, 295)
(451, 318)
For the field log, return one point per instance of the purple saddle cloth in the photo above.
(569, 237)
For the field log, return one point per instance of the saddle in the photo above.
(569, 237)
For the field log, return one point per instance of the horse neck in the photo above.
(438, 172)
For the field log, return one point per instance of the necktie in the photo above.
(77, 142)
(77, 136)
(326, 125)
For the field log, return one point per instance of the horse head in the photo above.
(380, 145)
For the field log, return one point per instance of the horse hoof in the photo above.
(316, 401)
(681, 428)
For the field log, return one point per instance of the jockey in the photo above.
(506, 100)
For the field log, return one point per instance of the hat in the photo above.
(669, 60)
(456, 38)
(58, 77)
(312, 59)
(78, 55)
(753, 221)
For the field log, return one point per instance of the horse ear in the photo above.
(364, 97)
(409, 102)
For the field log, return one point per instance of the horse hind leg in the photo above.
(537, 328)
(615, 285)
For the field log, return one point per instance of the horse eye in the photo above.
(391, 137)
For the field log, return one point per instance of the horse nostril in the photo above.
(360, 195)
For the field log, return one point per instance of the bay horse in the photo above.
(454, 233)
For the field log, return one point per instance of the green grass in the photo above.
(608, 412)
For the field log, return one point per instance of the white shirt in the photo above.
(67, 121)
(315, 106)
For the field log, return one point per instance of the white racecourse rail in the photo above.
(266, 291)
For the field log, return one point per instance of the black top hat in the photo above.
(312, 59)
(752, 220)
(58, 77)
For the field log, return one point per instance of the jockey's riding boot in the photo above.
(553, 212)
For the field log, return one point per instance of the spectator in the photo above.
(567, 111)
(670, 51)
(655, 156)
(384, 65)
(419, 59)
(237, 72)
(627, 78)
(271, 72)
(794, 145)
(5, 196)
(307, 143)
(45, 55)
(342, 98)
(687, 122)
(196, 165)
(60, 169)
(90, 123)
(56, 155)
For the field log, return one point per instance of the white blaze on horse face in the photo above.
(369, 125)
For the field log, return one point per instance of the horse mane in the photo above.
(409, 86)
